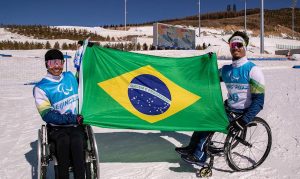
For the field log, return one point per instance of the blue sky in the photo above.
(106, 12)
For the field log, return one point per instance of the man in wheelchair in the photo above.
(56, 98)
(245, 85)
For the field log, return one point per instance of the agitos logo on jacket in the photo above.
(148, 94)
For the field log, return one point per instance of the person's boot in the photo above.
(192, 159)
(184, 150)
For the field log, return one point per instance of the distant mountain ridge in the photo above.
(276, 21)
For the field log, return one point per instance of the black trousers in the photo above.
(69, 147)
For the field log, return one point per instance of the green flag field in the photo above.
(135, 91)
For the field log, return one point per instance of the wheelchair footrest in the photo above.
(214, 150)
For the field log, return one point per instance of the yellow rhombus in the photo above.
(117, 88)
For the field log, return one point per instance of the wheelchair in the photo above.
(243, 150)
(45, 154)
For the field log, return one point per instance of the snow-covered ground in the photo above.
(134, 154)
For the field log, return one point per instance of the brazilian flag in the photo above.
(136, 91)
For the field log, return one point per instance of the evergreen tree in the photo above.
(31, 45)
(64, 46)
(126, 47)
(152, 47)
(16, 45)
(204, 45)
(39, 45)
(121, 46)
(107, 45)
(48, 45)
(138, 46)
(198, 47)
(145, 46)
(130, 47)
(56, 45)
(26, 45)
(73, 46)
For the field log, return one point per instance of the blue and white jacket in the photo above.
(245, 84)
(56, 98)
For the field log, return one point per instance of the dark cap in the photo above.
(54, 54)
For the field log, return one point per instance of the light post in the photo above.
(245, 17)
(262, 27)
(125, 13)
(293, 16)
(199, 19)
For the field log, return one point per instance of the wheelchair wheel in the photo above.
(204, 172)
(92, 166)
(247, 149)
(41, 154)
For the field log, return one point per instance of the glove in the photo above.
(90, 44)
(79, 119)
(210, 54)
(237, 125)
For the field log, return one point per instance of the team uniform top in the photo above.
(243, 79)
(56, 98)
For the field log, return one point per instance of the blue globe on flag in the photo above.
(149, 95)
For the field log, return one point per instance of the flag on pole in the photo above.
(130, 90)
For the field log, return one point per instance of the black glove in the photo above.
(237, 125)
(79, 119)
(90, 44)
(210, 54)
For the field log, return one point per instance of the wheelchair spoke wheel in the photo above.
(247, 149)
(42, 169)
(93, 170)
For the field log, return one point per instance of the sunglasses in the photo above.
(52, 63)
(236, 45)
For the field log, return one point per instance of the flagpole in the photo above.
(80, 85)
(66, 61)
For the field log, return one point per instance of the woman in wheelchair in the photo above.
(245, 85)
(56, 98)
